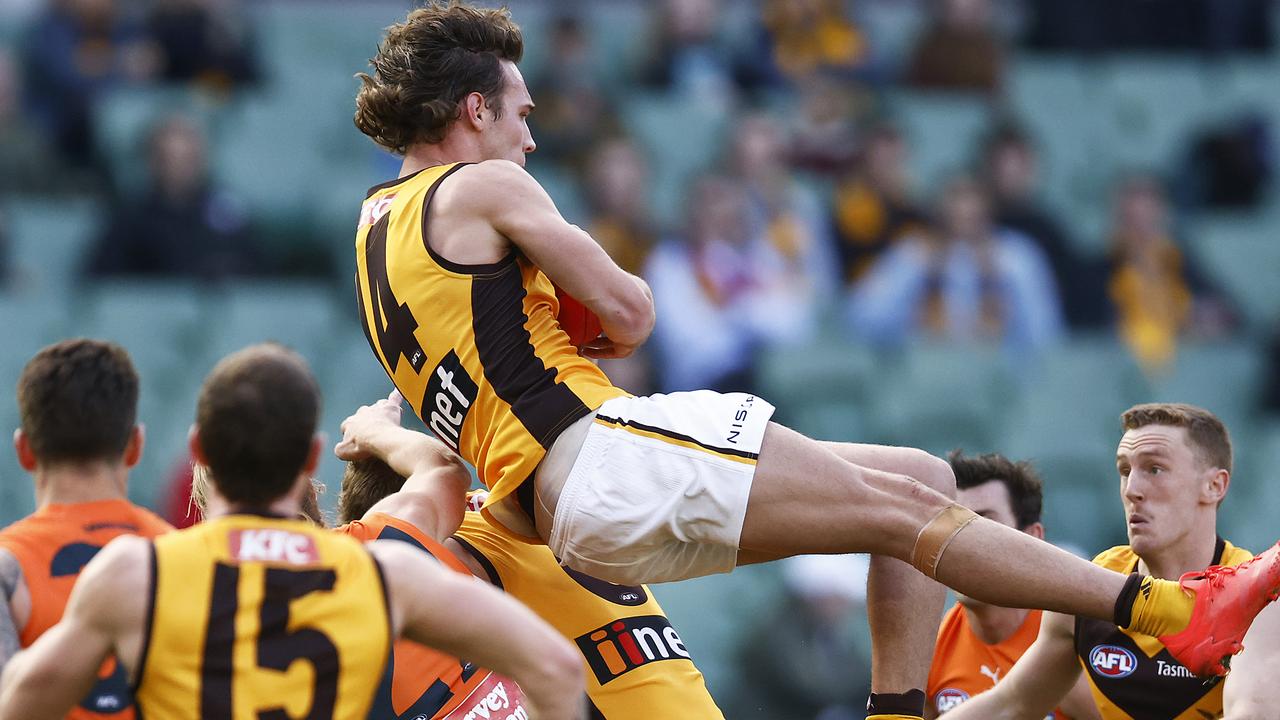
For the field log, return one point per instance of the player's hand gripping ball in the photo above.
(581, 324)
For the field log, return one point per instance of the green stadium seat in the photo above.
(681, 137)
(1243, 253)
(1248, 515)
(1152, 107)
(49, 241)
(158, 322)
(302, 316)
(941, 396)
(1082, 509)
(1221, 376)
(621, 36)
(1052, 96)
(713, 638)
(1071, 401)
(124, 117)
(891, 27)
(941, 132)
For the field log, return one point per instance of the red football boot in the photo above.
(1227, 600)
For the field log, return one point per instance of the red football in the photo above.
(581, 324)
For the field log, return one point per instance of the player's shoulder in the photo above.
(1234, 554)
(487, 182)
(151, 524)
(123, 563)
(1119, 558)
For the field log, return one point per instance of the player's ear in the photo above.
(472, 104)
(22, 446)
(1215, 487)
(193, 444)
(133, 448)
(1035, 530)
(313, 454)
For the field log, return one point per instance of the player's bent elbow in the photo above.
(562, 664)
(630, 321)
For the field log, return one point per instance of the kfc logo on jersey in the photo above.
(373, 209)
(1112, 661)
(264, 545)
(949, 699)
(450, 395)
(629, 643)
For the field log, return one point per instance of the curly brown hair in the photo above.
(427, 65)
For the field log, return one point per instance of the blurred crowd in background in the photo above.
(1006, 213)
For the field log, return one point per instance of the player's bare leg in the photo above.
(903, 606)
(805, 498)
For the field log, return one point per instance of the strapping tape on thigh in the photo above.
(936, 535)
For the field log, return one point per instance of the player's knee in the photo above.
(932, 472)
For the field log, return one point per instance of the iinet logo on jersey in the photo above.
(629, 643)
(281, 546)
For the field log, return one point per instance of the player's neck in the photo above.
(454, 148)
(1193, 552)
(994, 624)
(65, 484)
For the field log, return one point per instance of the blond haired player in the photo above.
(1174, 462)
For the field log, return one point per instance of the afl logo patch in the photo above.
(949, 698)
(1112, 661)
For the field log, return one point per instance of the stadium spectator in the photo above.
(1156, 290)
(184, 225)
(202, 41)
(687, 58)
(27, 161)
(77, 50)
(974, 282)
(873, 206)
(806, 660)
(720, 294)
(788, 222)
(825, 134)
(960, 50)
(573, 112)
(1011, 169)
(617, 188)
(803, 38)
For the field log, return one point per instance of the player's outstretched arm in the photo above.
(10, 582)
(433, 496)
(1039, 680)
(1251, 691)
(518, 208)
(463, 616)
(105, 614)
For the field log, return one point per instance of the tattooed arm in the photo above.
(10, 582)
